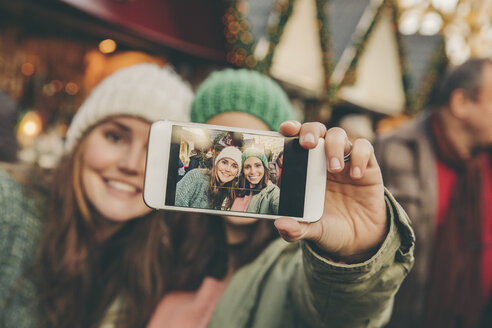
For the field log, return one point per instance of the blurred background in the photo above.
(366, 65)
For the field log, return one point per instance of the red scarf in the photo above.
(455, 289)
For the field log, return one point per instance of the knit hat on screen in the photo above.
(241, 90)
(146, 91)
(230, 152)
(254, 152)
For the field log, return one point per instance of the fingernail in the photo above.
(356, 172)
(295, 123)
(334, 163)
(307, 138)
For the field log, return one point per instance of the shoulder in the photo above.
(405, 141)
(20, 229)
(198, 174)
(194, 177)
(20, 206)
(271, 189)
(413, 129)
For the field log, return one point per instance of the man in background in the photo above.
(438, 166)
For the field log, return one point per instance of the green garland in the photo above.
(276, 24)
(322, 9)
(360, 44)
(405, 75)
(436, 68)
(238, 35)
(241, 42)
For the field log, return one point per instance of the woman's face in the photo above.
(227, 169)
(253, 170)
(113, 165)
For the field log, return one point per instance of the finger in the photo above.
(362, 151)
(336, 144)
(289, 229)
(290, 128)
(310, 134)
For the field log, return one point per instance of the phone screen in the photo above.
(270, 178)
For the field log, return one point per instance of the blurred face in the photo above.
(253, 170)
(480, 118)
(227, 169)
(113, 165)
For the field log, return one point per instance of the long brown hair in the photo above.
(201, 249)
(85, 267)
(217, 192)
(244, 186)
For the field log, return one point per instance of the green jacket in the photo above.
(20, 228)
(266, 201)
(290, 285)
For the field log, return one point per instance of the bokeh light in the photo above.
(27, 69)
(107, 46)
(72, 88)
(31, 124)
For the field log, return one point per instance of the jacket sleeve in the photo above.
(358, 295)
(275, 200)
(185, 188)
(19, 232)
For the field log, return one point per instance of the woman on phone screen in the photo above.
(211, 189)
(256, 193)
(83, 250)
(341, 271)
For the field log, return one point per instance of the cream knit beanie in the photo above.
(231, 152)
(146, 91)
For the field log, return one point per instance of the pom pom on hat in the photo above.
(242, 90)
(230, 152)
(146, 91)
(254, 152)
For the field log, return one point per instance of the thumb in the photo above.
(292, 230)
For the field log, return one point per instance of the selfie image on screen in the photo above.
(236, 172)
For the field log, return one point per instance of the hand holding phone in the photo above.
(354, 221)
(226, 171)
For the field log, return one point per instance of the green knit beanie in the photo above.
(254, 152)
(241, 90)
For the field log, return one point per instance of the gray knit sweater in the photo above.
(20, 228)
(191, 191)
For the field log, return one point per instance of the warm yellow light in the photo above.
(71, 88)
(30, 128)
(31, 124)
(107, 46)
(27, 69)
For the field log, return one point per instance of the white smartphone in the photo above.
(177, 149)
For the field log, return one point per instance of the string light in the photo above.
(107, 46)
(31, 124)
(71, 88)
(27, 69)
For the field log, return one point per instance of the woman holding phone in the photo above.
(341, 271)
(83, 250)
(256, 193)
(211, 189)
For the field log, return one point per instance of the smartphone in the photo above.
(278, 177)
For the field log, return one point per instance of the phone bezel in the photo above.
(157, 167)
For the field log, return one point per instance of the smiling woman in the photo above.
(100, 249)
(211, 189)
(113, 165)
(257, 194)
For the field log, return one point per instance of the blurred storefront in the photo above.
(52, 53)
